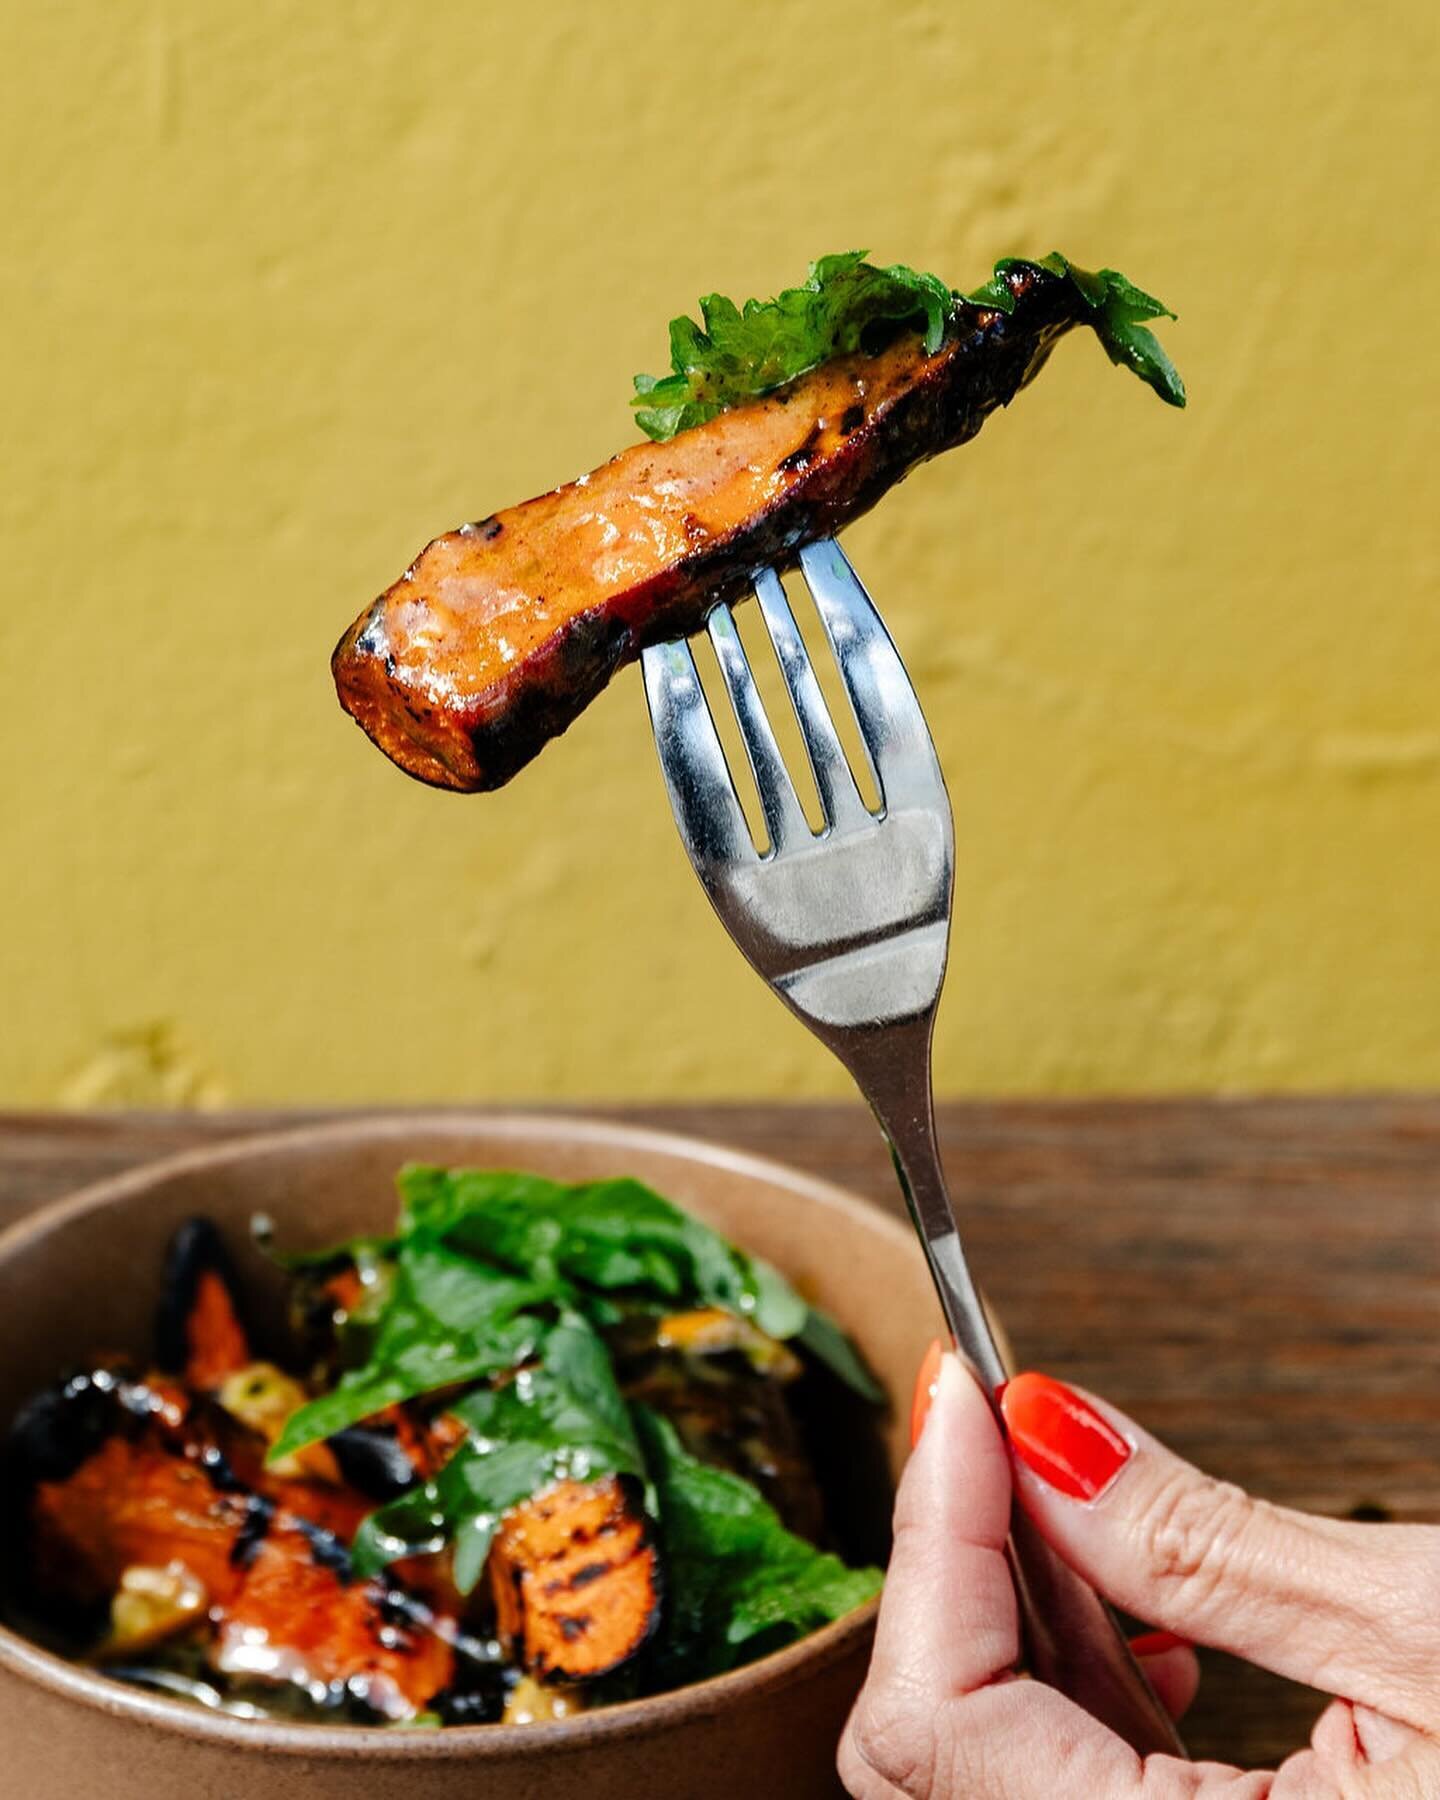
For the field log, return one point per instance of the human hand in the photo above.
(1351, 1609)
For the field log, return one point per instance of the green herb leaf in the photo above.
(497, 1274)
(846, 304)
(738, 1583)
(783, 1314)
(448, 1319)
(480, 1250)
(562, 1418)
(779, 1311)
(463, 1504)
(334, 1256)
(618, 1236)
(828, 1343)
(737, 353)
(1118, 307)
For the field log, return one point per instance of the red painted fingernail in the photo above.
(1156, 1643)
(1060, 1437)
(925, 1384)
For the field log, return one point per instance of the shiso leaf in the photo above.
(484, 1257)
(738, 1584)
(737, 353)
(1118, 307)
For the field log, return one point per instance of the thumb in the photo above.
(1352, 1609)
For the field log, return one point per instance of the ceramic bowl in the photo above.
(82, 1275)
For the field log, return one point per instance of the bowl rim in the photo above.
(645, 1717)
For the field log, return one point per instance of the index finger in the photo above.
(941, 1712)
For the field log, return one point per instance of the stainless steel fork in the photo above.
(851, 927)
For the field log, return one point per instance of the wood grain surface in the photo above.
(1258, 1281)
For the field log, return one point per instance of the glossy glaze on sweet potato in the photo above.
(172, 1487)
(501, 632)
(293, 1619)
(133, 1502)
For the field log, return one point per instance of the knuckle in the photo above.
(889, 1741)
(1419, 1594)
(913, 1520)
(919, 1552)
(857, 1778)
(1192, 1532)
(1398, 1627)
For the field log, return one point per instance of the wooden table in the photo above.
(1258, 1281)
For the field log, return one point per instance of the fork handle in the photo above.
(1072, 1640)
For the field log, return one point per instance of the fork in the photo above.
(850, 926)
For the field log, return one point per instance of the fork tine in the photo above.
(697, 777)
(784, 820)
(839, 795)
(902, 752)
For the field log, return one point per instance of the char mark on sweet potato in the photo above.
(120, 1477)
(310, 1623)
(575, 1579)
(500, 633)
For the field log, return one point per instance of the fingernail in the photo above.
(1156, 1643)
(1061, 1438)
(925, 1384)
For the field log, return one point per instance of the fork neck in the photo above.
(891, 1067)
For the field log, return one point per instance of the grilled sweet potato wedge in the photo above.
(294, 1619)
(140, 1485)
(134, 1503)
(199, 1329)
(501, 632)
(575, 1579)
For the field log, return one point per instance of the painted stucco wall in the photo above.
(289, 288)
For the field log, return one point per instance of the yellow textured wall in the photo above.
(287, 288)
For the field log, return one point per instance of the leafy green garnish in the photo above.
(1118, 307)
(480, 1250)
(844, 304)
(618, 1236)
(496, 1291)
(562, 1419)
(826, 1341)
(447, 1319)
(736, 353)
(738, 1583)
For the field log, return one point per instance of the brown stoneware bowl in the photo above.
(82, 1276)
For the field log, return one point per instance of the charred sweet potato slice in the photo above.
(344, 1288)
(575, 1579)
(280, 1599)
(500, 633)
(218, 1346)
(199, 1329)
(133, 1503)
(292, 1619)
